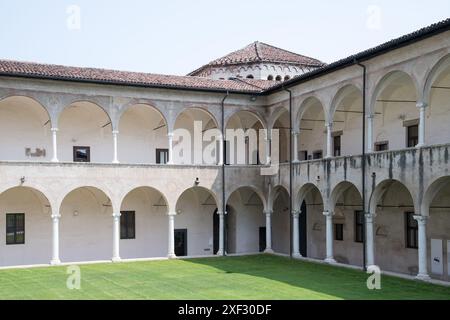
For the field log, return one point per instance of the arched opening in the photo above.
(24, 130)
(270, 78)
(278, 78)
(25, 227)
(244, 137)
(394, 228)
(348, 224)
(247, 227)
(437, 202)
(143, 136)
(143, 225)
(194, 222)
(85, 134)
(188, 149)
(312, 137)
(395, 115)
(311, 222)
(347, 121)
(283, 127)
(286, 78)
(250, 76)
(86, 225)
(280, 221)
(438, 112)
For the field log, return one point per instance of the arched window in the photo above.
(286, 78)
(250, 76)
(278, 78)
(270, 78)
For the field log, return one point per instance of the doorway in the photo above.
(181, 242)
(302, 220)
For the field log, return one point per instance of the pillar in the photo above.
(115, 134)
(370, 132)
(171, 250)
(170, 136)
(329, 127)
(55, 240)
(370, 251)
(54, 143)
(295, 235)
(423, 266)
(221, 151)
(268, 214)
(268, 146)
(422, 112)
(295, 149)
(116, 237)
(329, 236)
(221, 250)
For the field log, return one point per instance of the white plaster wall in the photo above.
(23, 124)
(38, 228)
(88, 235)
(81, 124)
(138, 139)
(151, 225)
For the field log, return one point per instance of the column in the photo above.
(329, 234)
(221, 147)
(370, 251)
(422, 111)
(295, 235)
(329, 127)
(116, 237)
(55, 240)
(54, 143)
(171, 251)
(115, 134)
(268, 146)
(268, 214)
(170, 136)
(295, 149)
(423, 266)
(370, 132)
(221, 251)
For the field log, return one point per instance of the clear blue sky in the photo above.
(177, 36)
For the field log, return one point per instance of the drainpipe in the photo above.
(224, 157)
(290, 170)
(363, 161)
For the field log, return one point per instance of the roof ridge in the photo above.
(291, 52)
(256, 50)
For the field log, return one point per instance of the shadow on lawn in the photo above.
(337, 282)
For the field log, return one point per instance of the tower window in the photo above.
(278, 78)
(250, 76)
(270, 78)
(286, 78)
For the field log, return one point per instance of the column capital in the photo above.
(328, 125)
(268, 212)
(421, 105)
(220, 213)
(56, 216)
(172, 214)
(370, 217)
(370, 116)
(295, 132)
(115, 132)
(328, 214)
(296, 213)
(116, 215)
(170, 134)
(54, 129)
(421, 220)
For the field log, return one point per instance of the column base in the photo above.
(116, 162)
(420, 145)
(296, 161)
(297, 256)
(55, 262)
(330, 260)
(221, 253)
(54, 160)
(423, 277)
(268, 250)
(116, 259)
(171, 256)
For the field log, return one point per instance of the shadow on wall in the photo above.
(319, 279)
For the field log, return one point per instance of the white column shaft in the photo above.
(422, 243)
(370, 240)
(55, 144)
(171, 250)
(221, 250)
(115, 145)
(268, 232)
(329, 237)
(295, 149)
(170, 136)
(370, 133)
(295, 235)
(329, 127)
(422, 118)
(55, 240)
(116, 237)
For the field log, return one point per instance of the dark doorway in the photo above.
(181, 242)
(302, 230)
(262, 239)
(216, 224)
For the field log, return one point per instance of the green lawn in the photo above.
(251, 277)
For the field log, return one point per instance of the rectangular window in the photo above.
(337, 145)
(162, 156)
(81, 154)
(15, 228)
(382, 146)
(317, 154)
(339, 231)
(303, 155)
(359, 225)
(127, 225)
(411, 230)
(412, 133)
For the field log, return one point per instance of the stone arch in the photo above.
(433, 74)
(380, 190)
(341, 94)
(431, 192)
(304, 191)
(257, 191)
(339, 190)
